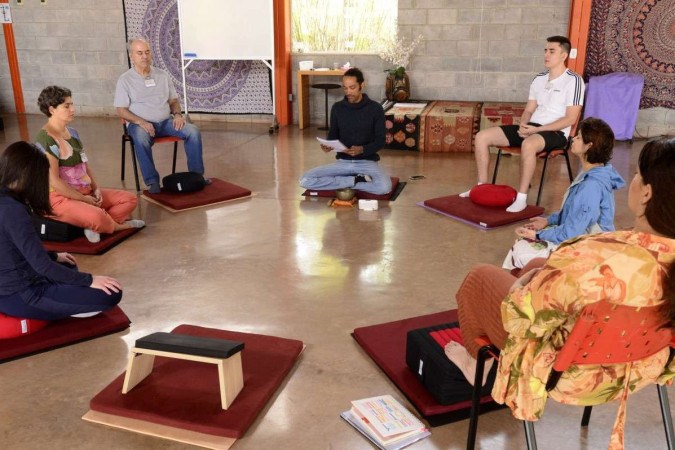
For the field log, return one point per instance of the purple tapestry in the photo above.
(234, 87)
(636, 36)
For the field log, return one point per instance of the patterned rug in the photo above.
(235, 87)
(495, 114)
(636, 36)
(402, 124)
(450, 126)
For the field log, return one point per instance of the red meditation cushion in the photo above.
(493, 195)
(11, 327)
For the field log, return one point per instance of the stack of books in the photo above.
(384, 421)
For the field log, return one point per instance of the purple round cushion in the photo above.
(493, 195)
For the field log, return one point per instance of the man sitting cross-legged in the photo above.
(358, 122)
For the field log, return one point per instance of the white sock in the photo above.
(520, 203)
(465, 362)
(136, 223)
(92, 236)
(87, 314)
(466, 194)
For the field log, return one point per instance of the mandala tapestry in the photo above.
(636, 36)
(234, 87)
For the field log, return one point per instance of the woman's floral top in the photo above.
(621, 267)
(70, 155)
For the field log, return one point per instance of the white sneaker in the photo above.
(92, 236)
(135, 223)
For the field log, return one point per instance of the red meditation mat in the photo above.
(391, 195)
(386, 344)
(60, 333)
(483, 217)
(185, 394)
(83, 247)
(217, 192)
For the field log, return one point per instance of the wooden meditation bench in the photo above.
(226, 354)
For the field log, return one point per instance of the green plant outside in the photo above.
(337, 26)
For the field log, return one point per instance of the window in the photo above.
(356, 26)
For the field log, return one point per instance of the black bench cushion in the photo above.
(190, 345)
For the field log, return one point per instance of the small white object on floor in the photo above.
(465, 362)
(368, 205)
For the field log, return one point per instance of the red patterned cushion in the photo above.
(11, 327)
(493, 195)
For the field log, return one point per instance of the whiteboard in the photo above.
(226, 29)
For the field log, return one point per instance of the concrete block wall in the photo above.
(78, 44)
(481, 50)
(473, 50)
(655, 122)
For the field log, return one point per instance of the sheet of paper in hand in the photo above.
(335, 145)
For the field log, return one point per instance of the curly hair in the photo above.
(52, 96)
(597, 132)
(356, 73)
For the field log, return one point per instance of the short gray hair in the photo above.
(132, 40)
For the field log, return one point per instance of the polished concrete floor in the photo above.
(280, 265)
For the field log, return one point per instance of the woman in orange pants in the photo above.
(74, 194)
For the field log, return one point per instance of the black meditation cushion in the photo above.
(55, 231)
(183, 182)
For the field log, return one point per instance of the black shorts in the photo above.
(552, 139)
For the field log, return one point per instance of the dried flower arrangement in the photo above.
(398, 52)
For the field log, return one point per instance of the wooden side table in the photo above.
(303, 91)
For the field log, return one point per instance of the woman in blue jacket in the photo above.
(588, 204)
(35, 284)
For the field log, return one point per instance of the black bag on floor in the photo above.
(55, 231)
(183, 182)
(442, 378)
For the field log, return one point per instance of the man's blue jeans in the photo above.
(143, 146)
(341, 175)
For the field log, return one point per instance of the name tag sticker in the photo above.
(83, 157)
(150, 82)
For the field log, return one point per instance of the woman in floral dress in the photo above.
(528, 318)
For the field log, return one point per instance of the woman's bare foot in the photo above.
(466, 363)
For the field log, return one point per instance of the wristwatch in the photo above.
(176, 114)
